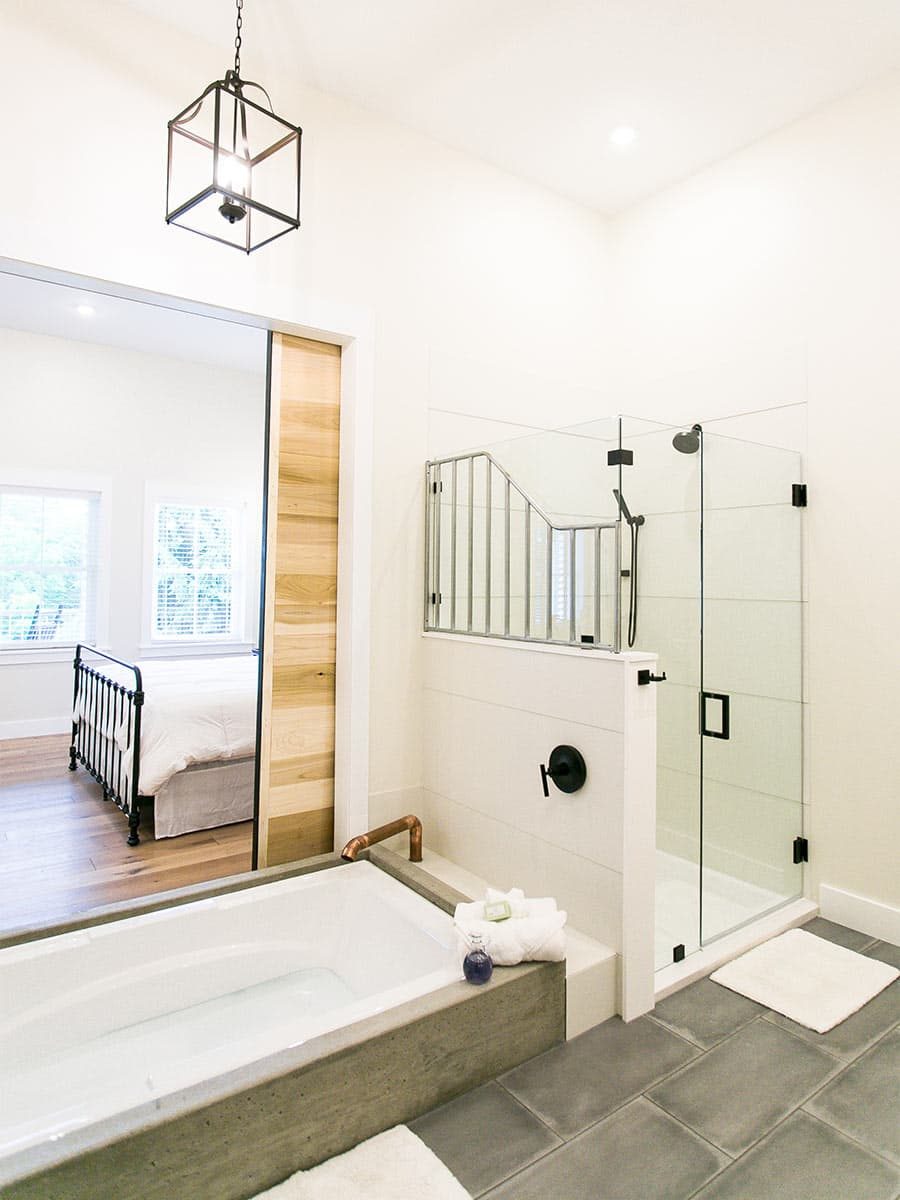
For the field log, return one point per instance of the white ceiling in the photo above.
(50, 308)
(535, 86)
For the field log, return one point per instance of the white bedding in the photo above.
(195, 710)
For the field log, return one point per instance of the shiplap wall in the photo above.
(297, 748)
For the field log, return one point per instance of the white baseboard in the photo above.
(860, 912)
(39, 727)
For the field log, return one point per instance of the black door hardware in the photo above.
(566, 768)
(725, 701)
(801, 850)
(645, 676)
(678, 952)
(798, 495)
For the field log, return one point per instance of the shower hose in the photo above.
(634, 526)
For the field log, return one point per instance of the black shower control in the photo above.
(645, 676)
(566, 768)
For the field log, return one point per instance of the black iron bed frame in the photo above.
(111, 710)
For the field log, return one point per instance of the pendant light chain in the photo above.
(237, 39)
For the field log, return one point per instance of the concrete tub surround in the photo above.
(306, 1103)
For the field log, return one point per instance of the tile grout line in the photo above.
(763, 1137)
(443, 691)
(524, 833)
(850, 1138)
(706, 1049)
(531, 1112)
(840, 1065)
(534, 1114)
(798, 1037)
(658, 1021)
(518, 1170)
(706, 1141)
(854, 1062)
(628, 1100)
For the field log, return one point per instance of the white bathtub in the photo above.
(101, 1020)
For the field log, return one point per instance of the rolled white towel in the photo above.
(519, 905)
(533, 933)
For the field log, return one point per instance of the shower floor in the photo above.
(727, 903)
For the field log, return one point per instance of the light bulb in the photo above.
(623, 136)
(234, 176)
(234, 173)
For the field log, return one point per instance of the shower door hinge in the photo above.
(437, 487)
(678, 952)
(435, 598)
(620, 458)
(801, 850)
(798, 495)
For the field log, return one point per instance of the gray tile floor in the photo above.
(711, 1096)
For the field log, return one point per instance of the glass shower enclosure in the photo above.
(678, 541)
(719, 597)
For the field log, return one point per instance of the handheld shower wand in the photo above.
(634, 524)
(623, 508)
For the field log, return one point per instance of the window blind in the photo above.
(49, 566)
(196, 573)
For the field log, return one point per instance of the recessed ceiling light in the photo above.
(623, 136)
(85, 310)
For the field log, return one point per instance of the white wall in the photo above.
(771, 279)
(78, 408)
(452, 257)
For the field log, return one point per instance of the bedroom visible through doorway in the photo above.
(131, 501)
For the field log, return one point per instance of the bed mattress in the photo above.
(196, 710)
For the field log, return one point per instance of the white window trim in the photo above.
(71, 481)
(152, 646)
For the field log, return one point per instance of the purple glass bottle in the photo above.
(477, 965)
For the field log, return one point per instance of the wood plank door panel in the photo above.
(296, 801)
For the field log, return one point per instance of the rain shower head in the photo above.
(688, 442)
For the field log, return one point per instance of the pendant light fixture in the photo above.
(234, 165)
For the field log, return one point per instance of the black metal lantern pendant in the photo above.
(234, 165)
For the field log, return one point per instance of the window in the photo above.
(197, 588)
(49, 565)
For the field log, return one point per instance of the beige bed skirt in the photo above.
(204, 797)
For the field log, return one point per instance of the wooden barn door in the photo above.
(296, 759)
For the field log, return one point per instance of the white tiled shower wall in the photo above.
(493, 713)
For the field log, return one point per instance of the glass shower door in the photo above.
(751, 734)
(660, 484)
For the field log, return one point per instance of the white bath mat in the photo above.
(394, 1165)
(806, 978)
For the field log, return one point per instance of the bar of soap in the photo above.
(497, 910)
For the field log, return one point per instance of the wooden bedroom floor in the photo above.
(63, 848)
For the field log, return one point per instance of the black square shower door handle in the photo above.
(725, 700)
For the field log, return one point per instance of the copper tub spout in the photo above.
(364, 840)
